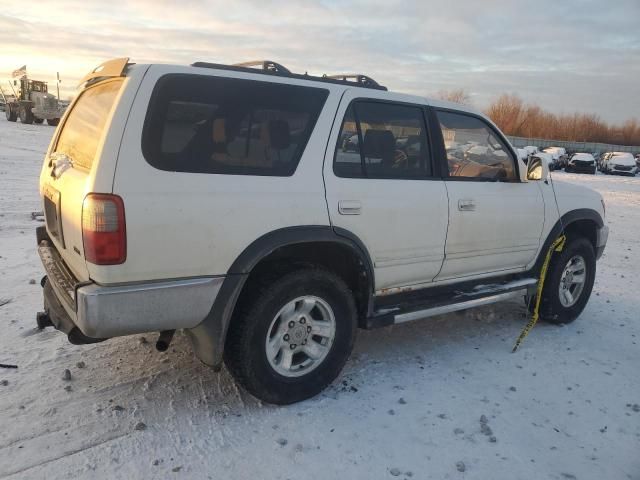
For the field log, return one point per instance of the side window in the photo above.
(473, 149)
(206, 124)
(394, 142)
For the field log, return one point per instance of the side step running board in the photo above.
(484, 295)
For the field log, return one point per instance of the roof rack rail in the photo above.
(361, 80)
(269, 67)
(266, 65)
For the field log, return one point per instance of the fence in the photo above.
(590, 147)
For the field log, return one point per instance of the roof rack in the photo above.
(361, 80)
(268, 67)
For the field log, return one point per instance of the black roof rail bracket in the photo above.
(268, 67)
(361, 80)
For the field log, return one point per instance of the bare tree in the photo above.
(510, 113)
(458, 96)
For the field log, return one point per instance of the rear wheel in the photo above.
(38, 120)
(53, 121)
(291, 336)
(26, 116)
(569, 282)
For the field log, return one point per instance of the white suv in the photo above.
(270, 214)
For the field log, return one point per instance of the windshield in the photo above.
(83, 128)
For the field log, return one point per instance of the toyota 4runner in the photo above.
(269, 215)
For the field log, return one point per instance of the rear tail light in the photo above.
(103, 229)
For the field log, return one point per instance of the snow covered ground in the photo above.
(408, 404)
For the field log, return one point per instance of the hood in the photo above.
(624, 160)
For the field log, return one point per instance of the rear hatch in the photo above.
(69, 170)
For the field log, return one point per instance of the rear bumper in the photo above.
(100, 312)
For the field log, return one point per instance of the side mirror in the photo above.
(537, 169)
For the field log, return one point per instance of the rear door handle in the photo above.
(349, 207)
(466, 205)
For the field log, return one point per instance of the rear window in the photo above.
(83, 128)
(206, 124)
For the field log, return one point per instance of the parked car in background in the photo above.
(621, 163)
(559, 155)
(581, 163)
(638, 161)
(531, 150)
(547, 158)
(601, 159)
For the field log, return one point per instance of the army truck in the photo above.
(34, 104)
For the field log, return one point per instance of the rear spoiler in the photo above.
(110, 68)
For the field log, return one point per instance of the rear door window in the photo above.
(83, 128)
(394, 142)
(207, 124)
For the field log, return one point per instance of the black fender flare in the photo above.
(209, 336)
(561, 224)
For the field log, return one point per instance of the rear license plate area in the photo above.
(52, 213)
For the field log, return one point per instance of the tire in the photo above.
(11, 113)
(38, 120)
(259, 318)
(553, 309)
(26, 116)
(53, 121)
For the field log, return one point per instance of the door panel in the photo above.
(401, 221)
(502, 231)
(495, 221)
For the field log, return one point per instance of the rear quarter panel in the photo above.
(191, 224)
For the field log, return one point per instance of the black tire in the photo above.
(26, 116)
(11, 113)
(245, 351)
(38, 120)
(551, 308)
(53, 121)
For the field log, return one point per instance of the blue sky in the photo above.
(565, 55)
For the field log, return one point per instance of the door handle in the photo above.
(349, 207)
(466, 205)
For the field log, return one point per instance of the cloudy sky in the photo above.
(569, 55)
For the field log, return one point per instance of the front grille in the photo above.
(583, 163)
(622, 168)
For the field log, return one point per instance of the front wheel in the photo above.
(290, 337)
(53, 121)
(569, 282)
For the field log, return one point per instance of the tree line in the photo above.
(515, 117)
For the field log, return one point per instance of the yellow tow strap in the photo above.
(556, 246)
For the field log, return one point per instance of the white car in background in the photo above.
(547, 158)
(558, 155)
(621, 163)
(531, 150)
